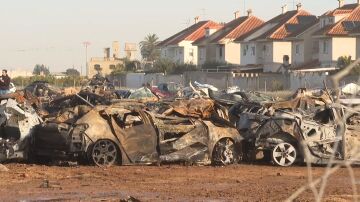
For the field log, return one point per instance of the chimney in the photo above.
(250, 12)
(298, 6)
(116, 49)
(197, 18)
(237, 14)
(341, 3)
(106, 52)
(284, 9)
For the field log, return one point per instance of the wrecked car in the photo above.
(43, 90)
(280, 137)
(124, 135)
(17, 125)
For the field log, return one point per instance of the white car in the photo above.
(12, 88)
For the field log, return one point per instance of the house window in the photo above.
(297, 49)
(325, 47)
(191, 53)
(221, 51)
(253, 50)
(246, 48)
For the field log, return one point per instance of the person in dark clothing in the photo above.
(4, 83)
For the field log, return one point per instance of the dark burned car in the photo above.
(281, 136)
(106, 135)
(278, 130)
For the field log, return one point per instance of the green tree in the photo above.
(117, 69)
(148, 48)
(181, 68)
(213, 64)
(163, 65)
(131, 65)
(72, 72)
(345, 61)
(41, 70)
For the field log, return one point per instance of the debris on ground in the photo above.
(3, 168)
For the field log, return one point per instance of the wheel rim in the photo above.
(225, 149)
(104, 153)
(284, 154)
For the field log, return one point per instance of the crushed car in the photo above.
(108, 135)
(17, 125)
(279, 130)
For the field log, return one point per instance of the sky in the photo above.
(52, 32)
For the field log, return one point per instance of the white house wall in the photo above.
(345, 46)
(190, 53)
(247, 58)
(358, 47)
(220, 57)
(201, 55)
(232, 53)
(337, 47)
(298, 57)
(281, 49)
(325, 54)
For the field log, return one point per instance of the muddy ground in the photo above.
(165, 183)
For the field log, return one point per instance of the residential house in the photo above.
(220, 46)
(304, 47)
(105, 65)
(179, 48)
(335, 36)
(267, 47)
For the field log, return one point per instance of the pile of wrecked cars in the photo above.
(97, 126)
(125, 132)
(309, 127)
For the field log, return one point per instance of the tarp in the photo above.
(351, 88)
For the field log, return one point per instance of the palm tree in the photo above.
(148, 48)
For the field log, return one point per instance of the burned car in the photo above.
(17, 125)
(107, 135)
(281, 136)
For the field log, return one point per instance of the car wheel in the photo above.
(284, 154)
(104, 153)
(224, 152)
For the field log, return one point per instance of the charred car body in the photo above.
(285, 131)
(109, 135)
(17, 125)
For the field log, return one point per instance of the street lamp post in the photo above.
(86, 44)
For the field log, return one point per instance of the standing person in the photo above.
(4, 83)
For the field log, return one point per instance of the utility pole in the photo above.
(86, 44)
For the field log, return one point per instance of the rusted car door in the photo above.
(137, 137)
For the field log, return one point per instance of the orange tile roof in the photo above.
(238, 28)
(286, 24)
(352, 17)
(191, 33)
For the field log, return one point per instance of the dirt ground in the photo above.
(166, 183)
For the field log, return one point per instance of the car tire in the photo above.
(284, 154)
(224, 152)
(104, 153)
